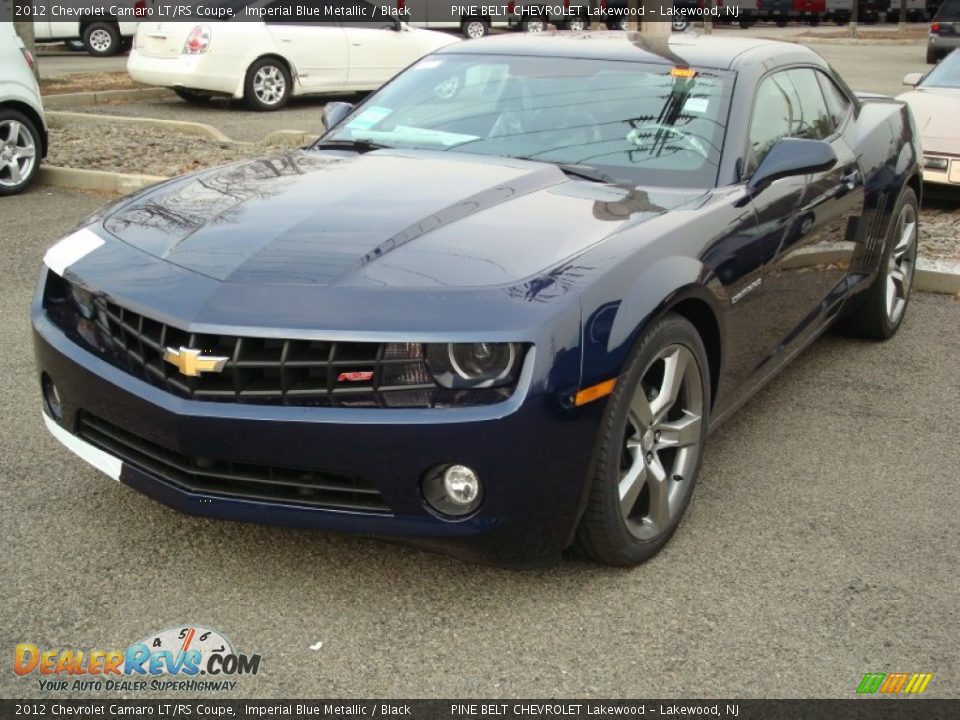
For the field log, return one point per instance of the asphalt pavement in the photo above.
(821, 544)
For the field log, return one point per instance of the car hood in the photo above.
(936, 112)
(389, 218)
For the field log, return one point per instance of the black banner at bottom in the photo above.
(861, 708)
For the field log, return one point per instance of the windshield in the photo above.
(636, 123)
(946, 74)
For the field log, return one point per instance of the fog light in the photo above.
(453, 490)
(51, 398)
(934, 163)
(461, 484)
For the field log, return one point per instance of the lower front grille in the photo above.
(248, 481)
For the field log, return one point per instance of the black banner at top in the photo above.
(426, 12)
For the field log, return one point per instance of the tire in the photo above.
(931, 57)
(474, 28)
(534, 26)
(195, 97)
(629, 531)
(267, 85)
(20, 151)
(577, 24)
(878, 311)
(678, 25)
(102, 39)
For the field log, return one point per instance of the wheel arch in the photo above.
(35, 118)
(674, 284)
(294, 77)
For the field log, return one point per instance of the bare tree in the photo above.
(24, 29)
(854, 13)
(903, 16)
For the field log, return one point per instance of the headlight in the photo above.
(473, 365)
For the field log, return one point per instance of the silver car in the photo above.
(944, 31)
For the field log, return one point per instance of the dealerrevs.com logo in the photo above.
(188, 657)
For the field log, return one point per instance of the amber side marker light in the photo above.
(683, 72)
(594, 392)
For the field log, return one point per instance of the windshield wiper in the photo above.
(358, 145)
(587, 172)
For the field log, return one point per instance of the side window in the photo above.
(838, 104)
(812, 122)
(773, 116)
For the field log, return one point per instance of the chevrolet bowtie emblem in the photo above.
(190, 362)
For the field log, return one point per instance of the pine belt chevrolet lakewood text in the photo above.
(495, 309)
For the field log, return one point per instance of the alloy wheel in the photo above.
(662, 442)
(100, 40)
(901, 264)
(18, 153)
(536, 26)
(578, 25)
(269, 85)
(475, 29)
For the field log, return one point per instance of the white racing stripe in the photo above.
(71, 249)
(95, 456)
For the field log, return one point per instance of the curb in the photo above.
(59, 119)
(99, 180)
(98, 97)
(288, 138)
(937, 276)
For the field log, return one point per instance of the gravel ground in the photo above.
(146, 150)
(229, 116)
(940, 225)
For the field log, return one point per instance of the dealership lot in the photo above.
(820, 545)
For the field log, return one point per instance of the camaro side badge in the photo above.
(190, 362)
(746, 291)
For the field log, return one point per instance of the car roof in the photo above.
(689, 48)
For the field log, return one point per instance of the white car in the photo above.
(935, 104)
(23, 129)
(265, 62)
(101, 36)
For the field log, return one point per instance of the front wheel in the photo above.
(268, 85)
(19, 151)
(878, 312)
(101, 39)
(679, 25)
(650, 447)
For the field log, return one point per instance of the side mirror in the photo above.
(912, 79)
(792, 156)
(334, 112)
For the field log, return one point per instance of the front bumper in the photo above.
(532, 454)
(950, 175)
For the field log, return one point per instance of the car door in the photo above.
(807, 223)
(315, 47)
(379, 47)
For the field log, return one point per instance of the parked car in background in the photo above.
(23, 128)
(935, 103)
(267, 62)
(840, 11)
(497, 307)
(101, 35)
(616, 14)
(916, 11)
(472, 20)
(944, 33)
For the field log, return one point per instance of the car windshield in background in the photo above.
(636, 123)
(946, 74)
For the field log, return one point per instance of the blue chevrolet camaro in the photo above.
(496, 309)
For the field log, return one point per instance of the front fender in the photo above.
(611, 329)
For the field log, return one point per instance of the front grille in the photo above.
(276, 371)
(269, 483)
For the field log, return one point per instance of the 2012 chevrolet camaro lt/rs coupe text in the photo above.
(495, 309)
